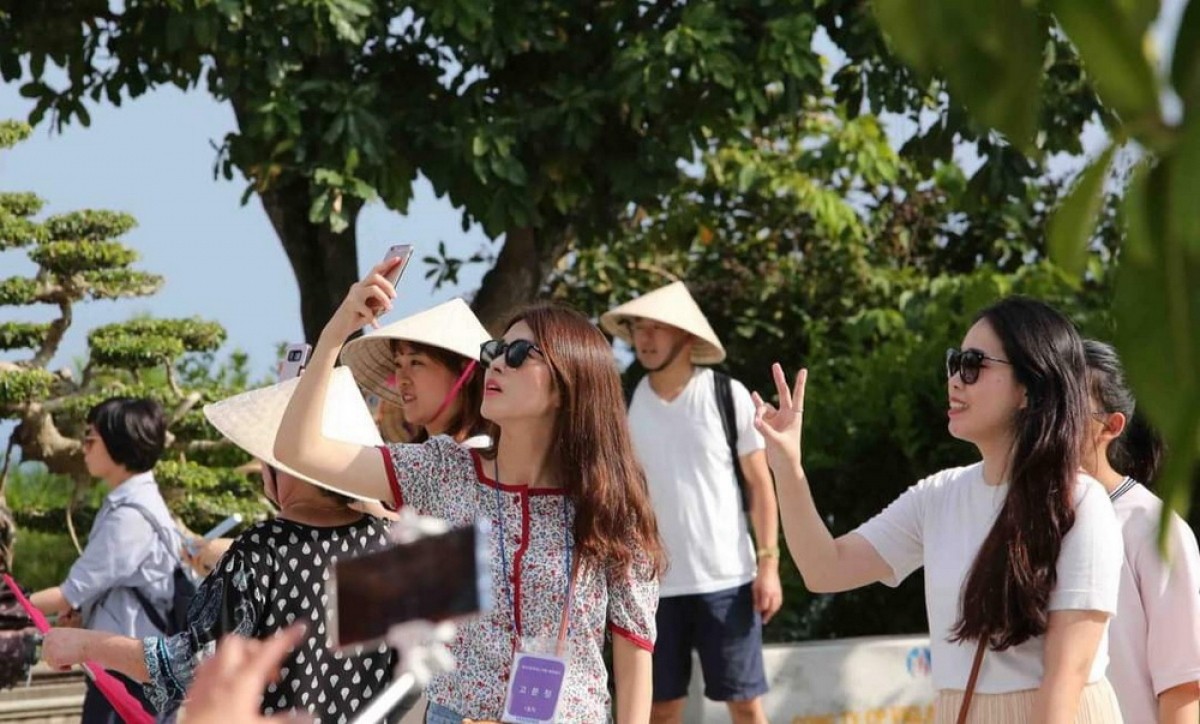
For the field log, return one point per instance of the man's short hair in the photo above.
(133, 429)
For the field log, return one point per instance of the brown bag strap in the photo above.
(966, 702)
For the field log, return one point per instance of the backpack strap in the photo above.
(153, 613)
(723, 384)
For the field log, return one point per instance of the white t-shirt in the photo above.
(681, 445)
(941, 522)
(1155, 636)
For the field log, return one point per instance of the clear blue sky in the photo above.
(222, 261)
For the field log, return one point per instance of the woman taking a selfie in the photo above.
(1022, 553)
(574, 548)
(271, 577)
(1155, 637)
(427, 365)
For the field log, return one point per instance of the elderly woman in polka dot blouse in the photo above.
(575, 549)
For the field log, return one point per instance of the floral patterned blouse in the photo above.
(273, 575)
(442, 479)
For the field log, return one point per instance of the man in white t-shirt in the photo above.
(687, 422)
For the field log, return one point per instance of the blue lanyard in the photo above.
(508, 587)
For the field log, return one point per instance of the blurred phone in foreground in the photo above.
(295, 357)
(435, 578)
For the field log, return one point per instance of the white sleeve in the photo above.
(1092, 553)
(897, 533)
(743, 408)
(1170, 594)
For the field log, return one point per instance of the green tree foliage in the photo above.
(814, 243)
(541, 120)
(1158, 287)
(78, 259)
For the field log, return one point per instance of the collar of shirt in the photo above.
(129, 488)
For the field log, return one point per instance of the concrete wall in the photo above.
(877, 679)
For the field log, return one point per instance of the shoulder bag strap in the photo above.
(971, 681)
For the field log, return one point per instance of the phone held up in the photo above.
(404, 253)
(435, 578)
(295, 357)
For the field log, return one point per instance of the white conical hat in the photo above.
(451, 326)
(251, 420)
(671, 305)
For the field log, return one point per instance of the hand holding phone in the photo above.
(404, 253)
(220, 529)
(295, 358)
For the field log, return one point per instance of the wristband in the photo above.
(772, 552)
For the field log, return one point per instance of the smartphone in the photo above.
(435, 578)
(220, 529)
(404, 253)
(294, 360)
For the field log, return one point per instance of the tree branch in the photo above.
(188, 404)
(58, 328)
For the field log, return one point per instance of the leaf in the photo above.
(1072, 225)
(989, 53)
(1112, 55)
(1185, 66)
(1158, 309)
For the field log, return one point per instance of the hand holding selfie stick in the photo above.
(420, 645)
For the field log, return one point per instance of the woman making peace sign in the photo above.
(1021, 550)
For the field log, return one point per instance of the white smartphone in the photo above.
(294, 360)
(220, 529)
(434, 578)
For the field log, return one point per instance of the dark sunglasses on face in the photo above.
(514, 353)
(966, 363)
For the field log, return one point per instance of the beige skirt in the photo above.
(1097, 705)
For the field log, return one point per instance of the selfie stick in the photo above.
(387, 700)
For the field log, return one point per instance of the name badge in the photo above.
(534, 689)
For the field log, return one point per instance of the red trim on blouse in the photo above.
(638, 641)
(517, 558)
(524, 489)
(389, 465)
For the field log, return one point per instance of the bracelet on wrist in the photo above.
(772, 552)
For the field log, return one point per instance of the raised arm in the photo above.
(827, 564)
(301, 444)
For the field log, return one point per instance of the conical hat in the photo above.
(671, 305)
(451, 326)
(251, 420)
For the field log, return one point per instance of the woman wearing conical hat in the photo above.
(426, 364)
(272, 575)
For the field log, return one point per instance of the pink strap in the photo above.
(458, 385)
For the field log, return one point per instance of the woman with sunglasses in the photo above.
(1155, 662)
(1021, 551)
(426, 364)
(575, 549)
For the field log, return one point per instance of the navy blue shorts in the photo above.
(725, 630)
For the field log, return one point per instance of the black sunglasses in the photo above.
(966, 363)
(515, 353)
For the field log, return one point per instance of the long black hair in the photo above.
(1007, 591)
(1138, 452)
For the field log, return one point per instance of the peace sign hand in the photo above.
(781, 426)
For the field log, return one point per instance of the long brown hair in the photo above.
(467, 422)
(1007, 592)
(593, 454)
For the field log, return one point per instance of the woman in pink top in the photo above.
(1155, 637)
(574, 552)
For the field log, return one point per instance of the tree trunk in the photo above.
(324, 262)
(520, 271)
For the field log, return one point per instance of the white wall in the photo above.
(875, 679)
